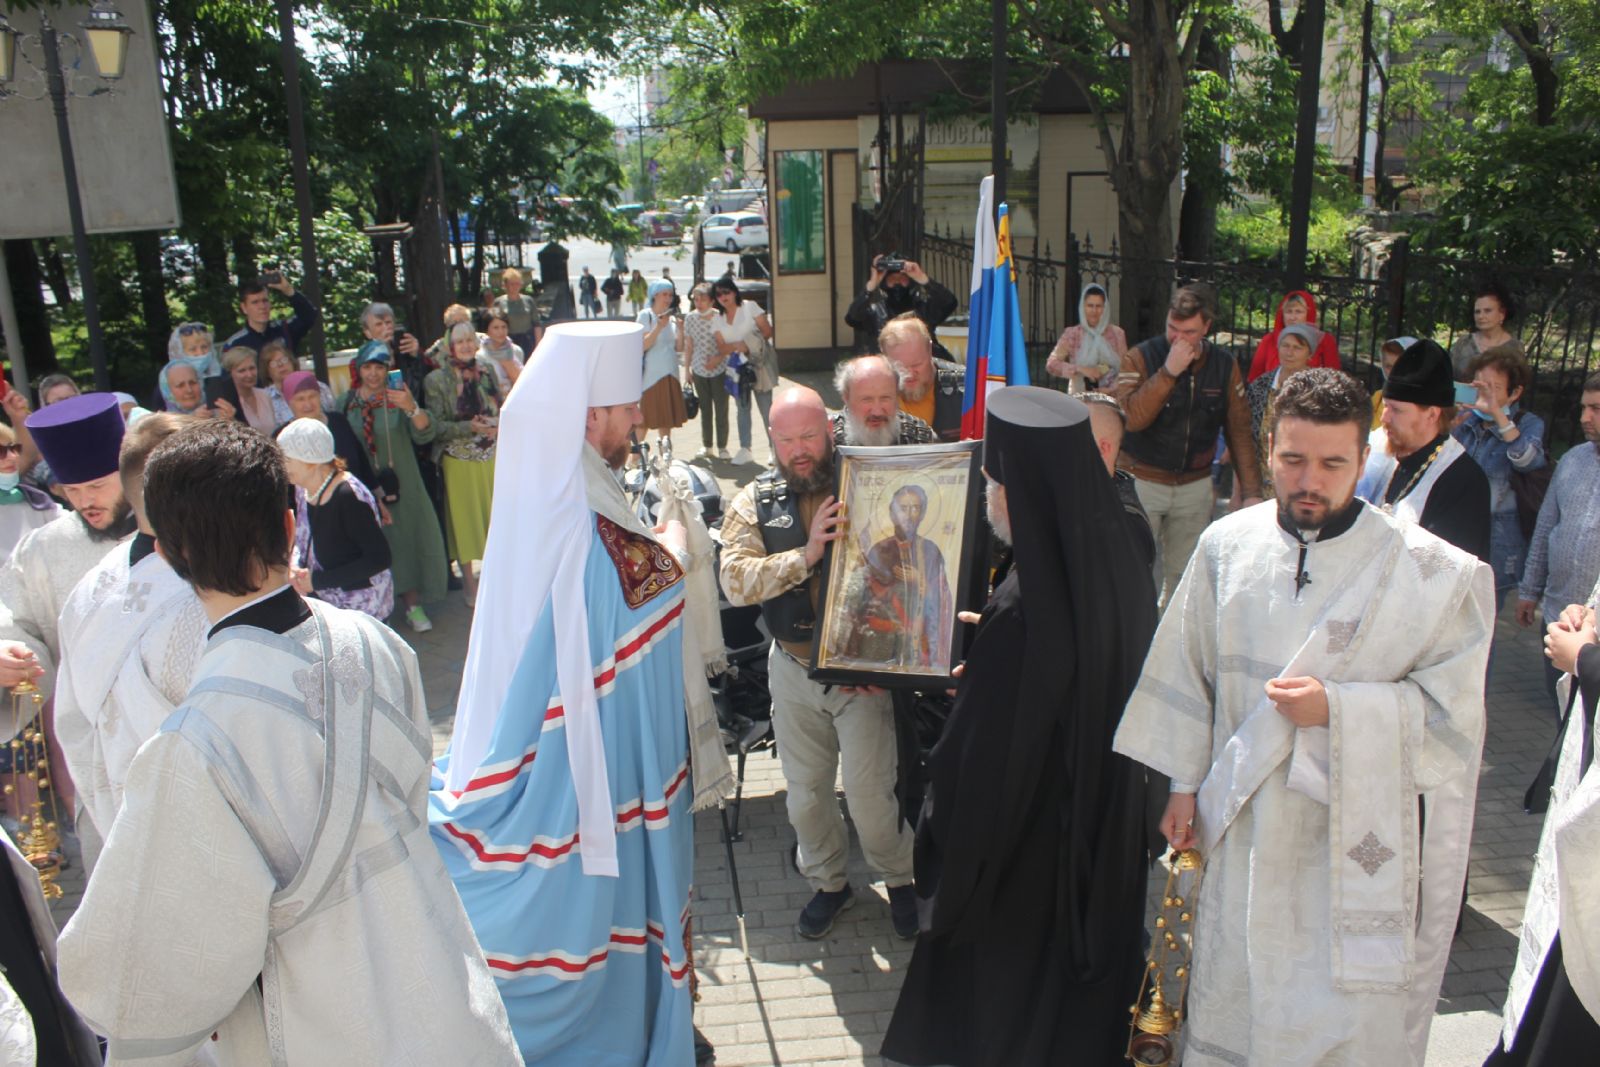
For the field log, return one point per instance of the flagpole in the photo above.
(997, 93)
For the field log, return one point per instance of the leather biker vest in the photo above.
(789, 616)
(1183, 437)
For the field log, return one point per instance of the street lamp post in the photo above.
(106, 33)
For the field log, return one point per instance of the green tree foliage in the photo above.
(1505, 166)
(490, 85)
(691, 138)
(1134, 60)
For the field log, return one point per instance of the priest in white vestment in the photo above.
(268, 890)
(79, 438)
(1320, 669)
(131, 635)
(1552, 1012)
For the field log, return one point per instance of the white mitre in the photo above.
(539, 535)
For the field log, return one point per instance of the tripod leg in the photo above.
(733, 877)
(738, 801)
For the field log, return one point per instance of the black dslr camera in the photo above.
(891, 262)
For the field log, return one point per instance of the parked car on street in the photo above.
(661, 227)
(734, 231)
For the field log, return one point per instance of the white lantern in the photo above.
(107, 32)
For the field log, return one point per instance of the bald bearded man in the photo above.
(773, 539)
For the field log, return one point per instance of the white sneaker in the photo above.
(722, 453)
(742, 457)
(702, 456)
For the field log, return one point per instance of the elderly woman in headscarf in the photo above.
(181, 392)
(1297, 343)
(1092, 349)
(463, 401)
(391, 424)
(1296, 308)
(191, 343)
(662, 400)
(340, 554)
(305, 402)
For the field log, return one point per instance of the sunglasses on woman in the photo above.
(189, 329)
(10, 450)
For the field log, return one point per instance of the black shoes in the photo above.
(903, 911)
(818, 916)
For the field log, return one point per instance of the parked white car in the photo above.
(743, 229)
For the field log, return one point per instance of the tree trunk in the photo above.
(33, 318)
(474, 281)
(1364, 113)
(245, 262)
(1312, 17)
(152, 290)
(55, 270)
(217, 303)
(1149, 160)
(1197, 216)
(1546, 88)
(428, 267)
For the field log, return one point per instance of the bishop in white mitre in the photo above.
(131, 634)
(1552, 1012)
(1315, 693)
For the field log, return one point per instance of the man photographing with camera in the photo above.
(898, 285)
(255, 304)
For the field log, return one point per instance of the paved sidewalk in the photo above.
(802, 1003)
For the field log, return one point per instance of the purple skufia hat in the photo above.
(80, 438)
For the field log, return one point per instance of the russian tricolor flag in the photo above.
(996, 356)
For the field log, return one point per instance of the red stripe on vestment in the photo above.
(485, 854)
(556, 711)
(625, 939)
(655, 812)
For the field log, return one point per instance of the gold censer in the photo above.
(1157, 1015)
(38, 838)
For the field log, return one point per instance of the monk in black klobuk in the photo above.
(1031, 855)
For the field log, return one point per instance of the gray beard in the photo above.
(857, 433)
(912, 391)
(1001, 524)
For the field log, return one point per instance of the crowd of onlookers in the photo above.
(394, 475)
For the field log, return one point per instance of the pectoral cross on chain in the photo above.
(1301, 578)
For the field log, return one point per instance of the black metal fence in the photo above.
(1409, 293)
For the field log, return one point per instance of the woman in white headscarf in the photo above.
(340, 553)
(1093, 349)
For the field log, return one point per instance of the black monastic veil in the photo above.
(1031, 852)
